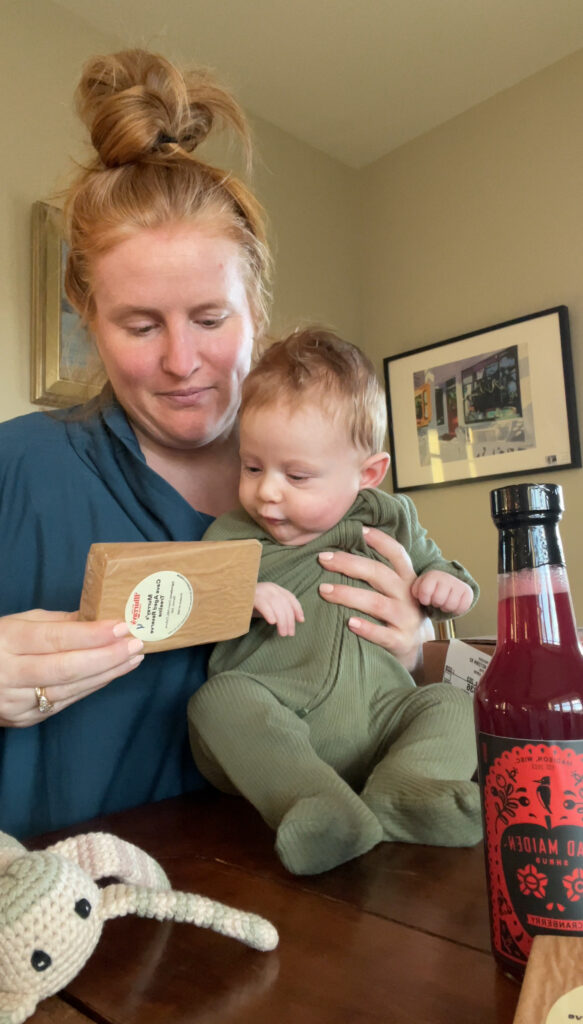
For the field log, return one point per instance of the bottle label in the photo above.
(532, 800)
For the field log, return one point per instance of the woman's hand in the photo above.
(401, 625)
(66, 658)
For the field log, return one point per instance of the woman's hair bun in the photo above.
(136, 103)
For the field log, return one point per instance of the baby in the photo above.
(325, 732)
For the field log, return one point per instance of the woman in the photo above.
(168, 265)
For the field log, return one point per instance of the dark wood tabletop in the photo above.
(399, 936)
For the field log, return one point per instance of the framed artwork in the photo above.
(496, 402)
(63, 360)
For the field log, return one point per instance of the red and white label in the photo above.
(532, 796)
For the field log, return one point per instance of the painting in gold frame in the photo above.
(63, 370)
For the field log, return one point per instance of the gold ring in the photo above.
(44, 704)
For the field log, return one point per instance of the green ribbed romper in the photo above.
(325, 732)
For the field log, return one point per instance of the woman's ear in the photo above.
(374, 469)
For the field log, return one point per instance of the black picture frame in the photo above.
(499, 401)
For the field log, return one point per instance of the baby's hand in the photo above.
(442, 591)
(279, 607)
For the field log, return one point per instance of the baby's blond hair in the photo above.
(314, 364)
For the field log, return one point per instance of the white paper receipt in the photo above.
(464, 665)
(159, 605)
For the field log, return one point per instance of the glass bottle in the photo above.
(529, 724)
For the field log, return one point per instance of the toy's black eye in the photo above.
(83, 908)
(40, 960)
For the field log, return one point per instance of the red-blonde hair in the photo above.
(146, 118)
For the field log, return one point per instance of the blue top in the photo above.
(67, 481)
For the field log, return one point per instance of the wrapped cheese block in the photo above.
(173, 594)
(552, 990)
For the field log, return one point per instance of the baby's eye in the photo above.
(251, 469)
(83, 908)
(297, 477)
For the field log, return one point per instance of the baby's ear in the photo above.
(374, 469)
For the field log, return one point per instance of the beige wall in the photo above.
(311, 202)
(475, 223)
(41, 51)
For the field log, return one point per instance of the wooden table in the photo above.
(399, 936)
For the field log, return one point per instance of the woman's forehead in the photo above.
(154, 262)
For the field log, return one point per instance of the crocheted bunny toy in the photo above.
(52, 912)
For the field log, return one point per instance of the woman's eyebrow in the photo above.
(129, 309)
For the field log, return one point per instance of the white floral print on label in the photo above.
(159, 605)
(568, 1008)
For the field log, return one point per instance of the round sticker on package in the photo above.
(159, 605)
(568, 1007)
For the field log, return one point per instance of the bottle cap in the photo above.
(522, 499)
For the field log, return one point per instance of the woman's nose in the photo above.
(181, 356)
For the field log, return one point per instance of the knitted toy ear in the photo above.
(102, 855)
(251, 929)
(10, 849)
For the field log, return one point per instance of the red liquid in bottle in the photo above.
(532, 789)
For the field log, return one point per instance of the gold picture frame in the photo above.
(63, 361)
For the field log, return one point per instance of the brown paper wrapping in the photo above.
(221, 576)
(554, 968)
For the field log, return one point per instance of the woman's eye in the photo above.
(210, 322)
(141, 330)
